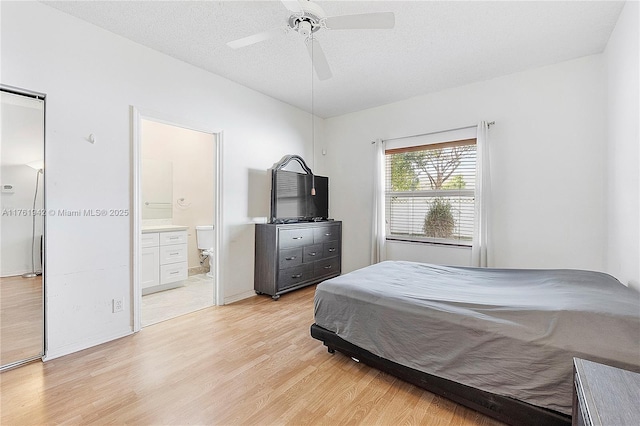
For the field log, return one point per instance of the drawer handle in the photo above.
(290, 258)
(296, 238)
(312, 254)
(174, 272)
(327, 235)
(174, 238)
(327, 267)
(331, 250)
(174, 254)
(296, 276)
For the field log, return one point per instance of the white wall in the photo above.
(623, 139)
(91, 78)
(547, 170)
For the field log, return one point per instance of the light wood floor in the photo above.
(249, 363)
(21, 324)
(196, 293)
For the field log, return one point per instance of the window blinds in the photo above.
(429, 191)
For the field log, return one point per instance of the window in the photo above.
(429, 192)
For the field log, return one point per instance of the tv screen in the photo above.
(291, 198)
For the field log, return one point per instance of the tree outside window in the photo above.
(430, 185)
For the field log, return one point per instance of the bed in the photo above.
(500, 341)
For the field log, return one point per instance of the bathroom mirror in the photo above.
(21, 226)
(156, 189)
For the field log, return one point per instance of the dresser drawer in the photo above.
(289, 258)
(293, 276)
(151, 239)
(327, 267)
(312, 253)
(173, 237)
(173, 254)
(173, 272)
(331, 249)
(290, 238)
(326, 233)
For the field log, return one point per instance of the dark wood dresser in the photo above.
(295, 255)
(604, 395)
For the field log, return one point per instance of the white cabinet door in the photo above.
(150, 267)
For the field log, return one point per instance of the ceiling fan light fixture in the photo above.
(304, 29)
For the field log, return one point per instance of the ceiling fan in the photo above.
(307, 18)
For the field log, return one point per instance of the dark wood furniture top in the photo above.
(605, 395)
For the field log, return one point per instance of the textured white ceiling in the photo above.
(435, 44)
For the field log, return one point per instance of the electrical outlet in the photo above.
(118, 305)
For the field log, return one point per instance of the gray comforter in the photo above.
(506, 331)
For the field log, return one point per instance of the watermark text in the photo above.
(66, 212)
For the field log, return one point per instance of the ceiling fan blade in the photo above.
(319, 61)
(256, 38)
(292, 5)
(364, 21)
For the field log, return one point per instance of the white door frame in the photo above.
(137, 115)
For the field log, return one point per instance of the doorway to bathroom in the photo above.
(177, 197)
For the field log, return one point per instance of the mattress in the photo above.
(512, 332)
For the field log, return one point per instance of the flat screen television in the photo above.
(291, 199)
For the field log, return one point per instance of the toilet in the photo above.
(204, 237)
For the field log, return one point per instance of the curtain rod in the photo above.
(491, 123)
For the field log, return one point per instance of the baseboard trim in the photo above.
(77, 347)
(238, 297)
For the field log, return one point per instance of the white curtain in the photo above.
(479, 249)
(378, 237)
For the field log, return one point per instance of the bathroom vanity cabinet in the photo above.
(292, 256)
(163, 259)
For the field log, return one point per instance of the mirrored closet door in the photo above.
(21, 226)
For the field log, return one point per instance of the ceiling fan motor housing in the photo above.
(309, 20)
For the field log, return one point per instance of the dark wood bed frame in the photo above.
(504, 409)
